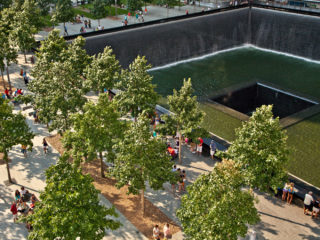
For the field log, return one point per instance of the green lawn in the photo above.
(219, 123)
(303, 140)
(110, 11)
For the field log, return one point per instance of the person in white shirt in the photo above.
(308, 199)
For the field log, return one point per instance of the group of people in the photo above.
(181, 178)
(310, 204)
(23, 204)
(166, 232)
(12, 96)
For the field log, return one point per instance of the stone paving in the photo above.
(154, 13)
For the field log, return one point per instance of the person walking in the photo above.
(89, 23)
(213, 148)
(167, 232)
(156, 232)
(66, 30)
(308, 199)
(14, 211)
(45, 145)
(24, 150)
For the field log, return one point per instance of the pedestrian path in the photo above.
(30, 173)
(154, 13)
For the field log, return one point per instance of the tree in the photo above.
(8, 52)
(260, 148)
(5, 4)
(63, 12)
(58, 84)
(103, 72)
(44, 6)
(96, 130)
(187, 115)
(99, 9)
(26, 24)
(208, 210)
(69, 207)
(13, 130)
(141, 158)
(134, 5)
(169, 4)
(137, 91)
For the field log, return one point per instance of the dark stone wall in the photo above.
(183, 39)
(286, 32)
(174, 41)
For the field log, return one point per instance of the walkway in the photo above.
(30, 173)
(154, 13)
(278, 219)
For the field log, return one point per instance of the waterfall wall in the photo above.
(188, 38)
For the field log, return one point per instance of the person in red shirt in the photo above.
(6, 91)
(14, 211)
(199, 147)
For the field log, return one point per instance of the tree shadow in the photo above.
(9, 229)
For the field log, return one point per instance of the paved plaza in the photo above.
(154, 13)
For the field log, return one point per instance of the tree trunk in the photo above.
(102, 165)
(115, 5)
(25, 56)
(142, 202)
(5, 157)
(8, 76)
(167, 11)
(180, 142)
(4, 84)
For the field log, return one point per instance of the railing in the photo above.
(312, 6)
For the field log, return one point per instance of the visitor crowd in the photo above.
(166, 232)
(23, 204)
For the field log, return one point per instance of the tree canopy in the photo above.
(137, 91)
(103, 72)
(13, 130)
(58, 84)
(260, 148)
(95, 131)
(141, 159)
(69, 206)
(63, 11)
(187, 115)
(216, 207)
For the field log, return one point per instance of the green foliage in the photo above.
(261, 150)
(134, 5)
(187, 115)
(103, 71)
(4, 4)
(99, 8)
(13, 130)
(137, 91)
(141, 158)
(63, 11)
(167, 129)
(96, 130)
(8, 51)
(44, 6)
(58, 84)
(216, 207)
(69, 207)
(26, 23)
(197, 133)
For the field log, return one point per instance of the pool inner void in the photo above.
(247, 99)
